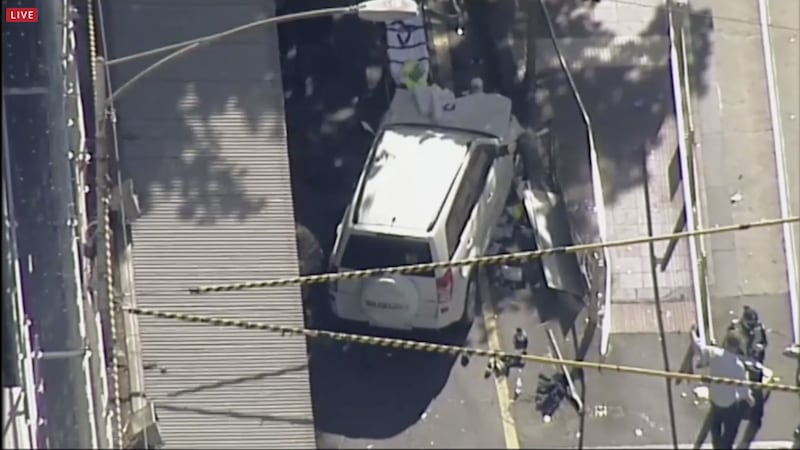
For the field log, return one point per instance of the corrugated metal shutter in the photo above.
(204, 141)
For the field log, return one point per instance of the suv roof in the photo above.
(409, 177)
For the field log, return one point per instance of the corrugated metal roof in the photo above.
(204, 141)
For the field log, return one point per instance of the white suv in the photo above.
(431, 190)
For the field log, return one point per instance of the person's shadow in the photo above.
(750, 431)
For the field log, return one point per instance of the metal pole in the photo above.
(104, 263)
(780, 167)
(60, 354)
(597, 188)
(688, 197)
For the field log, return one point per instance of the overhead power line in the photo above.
(518, 257)
(454, 350)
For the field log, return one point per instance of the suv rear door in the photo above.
(377, 251)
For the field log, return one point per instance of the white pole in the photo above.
(780, 166)
(688, 200)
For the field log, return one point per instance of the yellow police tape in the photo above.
(483, 260)
(451, 349)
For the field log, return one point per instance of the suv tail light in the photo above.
(444, 286)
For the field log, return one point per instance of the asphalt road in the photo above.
(40, 182)
(367, 397)
(740, 183)
(358, 400)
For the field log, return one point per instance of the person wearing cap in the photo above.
(521, 341)
(754, 334)
(727, 400)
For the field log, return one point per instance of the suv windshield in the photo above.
(380, 251)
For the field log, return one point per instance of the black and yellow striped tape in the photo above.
(483, 260)
(450, 349)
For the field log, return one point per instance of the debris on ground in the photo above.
(701, 392)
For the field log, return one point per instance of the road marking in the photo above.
(758, 445)
(501, 383)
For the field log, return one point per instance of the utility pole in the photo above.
(103, 242)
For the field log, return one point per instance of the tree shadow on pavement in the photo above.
(625, 84)
(333, 70)
(621, 70)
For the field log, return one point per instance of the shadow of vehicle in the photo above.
(365, 391)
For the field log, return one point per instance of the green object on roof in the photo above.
(416, 75)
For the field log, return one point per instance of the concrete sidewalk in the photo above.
(785, 21)
(738, 184)
(620, 64)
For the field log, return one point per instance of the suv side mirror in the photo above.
(367, 127)
(492, 149)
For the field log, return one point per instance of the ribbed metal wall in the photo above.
(204, 141)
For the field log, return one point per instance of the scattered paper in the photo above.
(736, 198)
(638, 432)
(701, 392)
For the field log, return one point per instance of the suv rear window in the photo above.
(381, 251)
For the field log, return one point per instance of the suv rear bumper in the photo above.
(351, 311)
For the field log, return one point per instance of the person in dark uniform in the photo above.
(754, 333)
(521, 341)
(754, 339)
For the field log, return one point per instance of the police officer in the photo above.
(754, 340)
(521, 341)
(753, 332)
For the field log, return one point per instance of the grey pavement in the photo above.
(620, 409)
(785, 34)
(368, 397)
(618, 56)
(738, 177)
